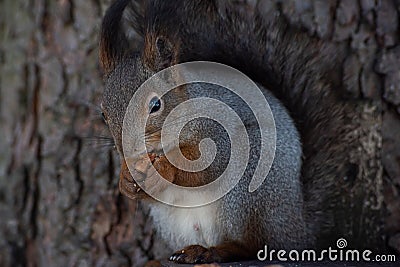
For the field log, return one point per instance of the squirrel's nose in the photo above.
(140, 166)
(138, 171)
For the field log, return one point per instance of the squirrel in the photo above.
(299, 205)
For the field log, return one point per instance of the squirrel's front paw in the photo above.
(194, 254)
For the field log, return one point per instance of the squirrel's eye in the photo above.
(155, 104)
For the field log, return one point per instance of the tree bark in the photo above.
(59, 198)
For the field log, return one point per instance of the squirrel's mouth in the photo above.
(138, 173)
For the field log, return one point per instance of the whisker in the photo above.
(99, 137)
(98, 141)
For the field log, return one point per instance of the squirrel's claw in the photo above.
(193, 254)
(177, 257)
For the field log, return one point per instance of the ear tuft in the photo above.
(133, 19)
(121, 30)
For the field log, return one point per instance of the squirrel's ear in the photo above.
(165, 52)
(122, 29)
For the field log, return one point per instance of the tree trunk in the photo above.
(59, 198)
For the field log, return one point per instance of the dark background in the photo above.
(59, 200)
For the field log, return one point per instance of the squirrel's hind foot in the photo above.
(223, 253)
(192, 254)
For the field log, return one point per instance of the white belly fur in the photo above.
(181, 227)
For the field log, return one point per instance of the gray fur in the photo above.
(276, 207)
